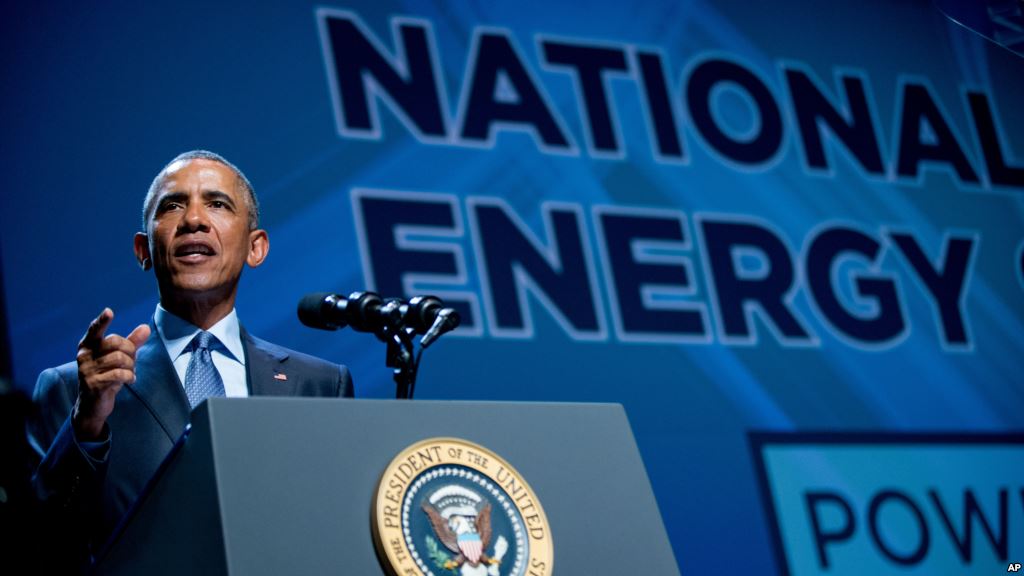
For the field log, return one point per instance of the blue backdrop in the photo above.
(730, 217)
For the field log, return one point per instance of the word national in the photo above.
(502, 91)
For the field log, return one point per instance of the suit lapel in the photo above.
(265, 368)
(158, 388)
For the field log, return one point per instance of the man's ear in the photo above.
(141, 248)
(259, 246)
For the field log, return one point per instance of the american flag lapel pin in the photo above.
(280, 376)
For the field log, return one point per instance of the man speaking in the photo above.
(106, 421)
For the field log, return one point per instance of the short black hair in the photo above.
(251, 201)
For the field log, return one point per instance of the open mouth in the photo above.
(194, 251)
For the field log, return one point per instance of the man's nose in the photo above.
(195, 218)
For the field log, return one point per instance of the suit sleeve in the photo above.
(67, 481)
(345, 387)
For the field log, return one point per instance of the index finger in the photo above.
(97, 328)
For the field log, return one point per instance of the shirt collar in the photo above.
(177, 333)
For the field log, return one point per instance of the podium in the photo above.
(287, 486)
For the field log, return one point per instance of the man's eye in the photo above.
(218, 204)
(170, 206)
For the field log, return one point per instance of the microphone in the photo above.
(447, 319)
(362, 311)
(320, 310)
(394, 321)
(368, 312)
(420, 313)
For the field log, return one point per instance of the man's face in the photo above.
(198, 232)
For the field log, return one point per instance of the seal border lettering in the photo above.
(422, 456)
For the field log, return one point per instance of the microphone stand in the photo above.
(400, 339)
(400, 356)
(393, 321)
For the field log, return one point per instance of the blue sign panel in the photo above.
(894, 504)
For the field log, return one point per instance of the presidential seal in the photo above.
(447, 507)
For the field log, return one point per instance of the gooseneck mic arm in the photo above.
(445, 321)
(394, 321)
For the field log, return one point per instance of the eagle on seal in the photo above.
(462, 535)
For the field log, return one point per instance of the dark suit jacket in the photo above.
(84, 499)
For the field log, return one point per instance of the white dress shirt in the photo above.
(228, 355)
